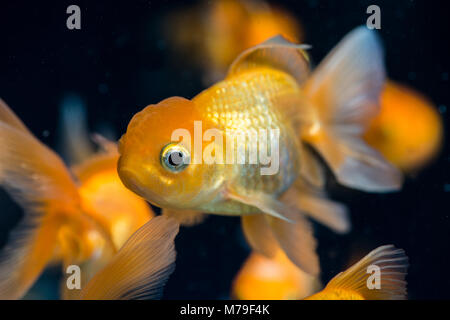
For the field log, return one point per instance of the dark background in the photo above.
(119, 62)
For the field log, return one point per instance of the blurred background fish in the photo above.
(213, 33)
(408, 131)
(105, 197)
(140, 269)
(277, 278)
(79, 220)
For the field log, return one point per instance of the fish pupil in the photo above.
(175, 158)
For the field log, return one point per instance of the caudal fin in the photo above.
(141, 267)
(344, 91)
(36, 178)
(387, 263)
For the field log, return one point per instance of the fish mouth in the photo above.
(133, 181)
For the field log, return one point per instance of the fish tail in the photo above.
(386, 263)
(141, 267)
(343, 94)
(36, 178)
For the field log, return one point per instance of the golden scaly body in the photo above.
(249, 102)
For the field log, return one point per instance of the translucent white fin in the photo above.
(345, 90)
(141, 267)
(357, 165)
(263, 202)
(297, 241)
(258, 234)
(290, 228)
(310, 168)
(277, 53)
(316, 205)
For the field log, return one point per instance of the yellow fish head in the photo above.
(155, 156)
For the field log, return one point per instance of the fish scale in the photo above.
(249, 102)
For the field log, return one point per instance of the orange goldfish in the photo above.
(378, 276)
(268, 90)
(216, 32)
(278, 278)
(408, 131)
(76, 220)
(140, 268)
(106, 199)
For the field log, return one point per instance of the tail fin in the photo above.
(393, 265)
(38, 180)
(141, 267)
(344, 90)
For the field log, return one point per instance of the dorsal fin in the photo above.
(276, 52)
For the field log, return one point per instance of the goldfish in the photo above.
(268, 89)
(277, 278)
(216, 32)
(106, 199)
(140, 268)
(408, 131)
(80, 216)
(362, 282)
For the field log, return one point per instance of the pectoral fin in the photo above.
(297, 241)
(290, 228)
(316, 205)
(262, 202)
(259, 235)
(140, 268)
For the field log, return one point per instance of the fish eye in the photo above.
(175, 157)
